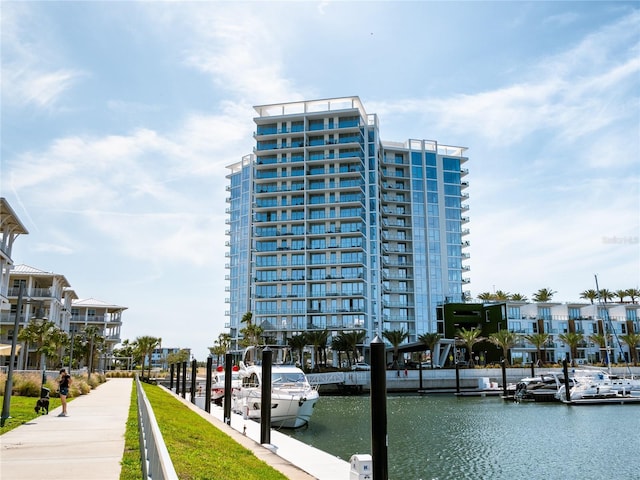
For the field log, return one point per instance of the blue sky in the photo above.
(119, 119)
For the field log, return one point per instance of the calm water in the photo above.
(443, 437)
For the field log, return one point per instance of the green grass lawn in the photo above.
(131, 466)
(198, 449)
(22, 410)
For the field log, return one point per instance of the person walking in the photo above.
(64, 381)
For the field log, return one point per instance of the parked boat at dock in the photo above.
(218, 384)
(540, 388)
(597, 386)
(292, 396)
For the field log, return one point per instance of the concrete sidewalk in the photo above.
(89, 443)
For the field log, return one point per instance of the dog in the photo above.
(42, 405)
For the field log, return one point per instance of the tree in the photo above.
(519, 297)
(590, 295)
(572, 339)
(486, 296)
(339, 345)
(351, 341)
(92, 340)
(220, 346)
(602, 342)
(606, 295)
(145, 346)
(180, 356)
(506, 340)
(318, 338)
(538, 340)
(430, 340)
(297, 344)
(395, 338)
(45, 336)
(127, 350)
(543, 295)
(633, 293)
(621, 294)
(502, 296)
(251, 333)
(633, 341)
(469, 338)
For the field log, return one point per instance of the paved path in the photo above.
(88, 444)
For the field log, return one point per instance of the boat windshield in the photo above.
(293, 377)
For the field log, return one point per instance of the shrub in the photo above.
(27, 384)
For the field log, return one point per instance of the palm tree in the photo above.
(590, 295)
(572, 339)
(506, 340)
(602, 341)
(606, 295)
(633, 293)
(395, 338)
(339, 345)
(538, 340)
(469, 338)
(145, 346)
(297, 344)
(318, 338)
(430, 340)
(352, 340)
(44, 335)
(633, 341)
(543, 295)
(220, 346)
(251, 333)
(92, 339)
(486, 296)
(621, 294)
(502, 296)
(519, 297)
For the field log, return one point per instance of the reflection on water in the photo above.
(444, 437)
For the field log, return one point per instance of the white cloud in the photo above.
(240, 51)
(53, 249)
(568, 96)
(30, 75)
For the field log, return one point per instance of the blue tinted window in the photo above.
(451, 177)
(452, 164)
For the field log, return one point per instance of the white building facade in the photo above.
(332, 228)
(614, 320)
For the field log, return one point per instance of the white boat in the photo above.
(600, 387)
(218, 384)
(541, 388)
(292, 396)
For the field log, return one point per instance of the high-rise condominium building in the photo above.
(330, 227)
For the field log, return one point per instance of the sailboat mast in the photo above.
(604, 328)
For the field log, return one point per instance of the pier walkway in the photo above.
(89, 443)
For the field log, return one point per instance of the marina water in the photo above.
(444, 437)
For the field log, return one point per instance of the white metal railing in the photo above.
(156, 462)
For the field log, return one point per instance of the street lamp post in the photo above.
(6, 403)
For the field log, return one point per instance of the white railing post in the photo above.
(156, 462)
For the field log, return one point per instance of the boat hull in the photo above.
(287, 410)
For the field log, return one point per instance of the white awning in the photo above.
(5, 350)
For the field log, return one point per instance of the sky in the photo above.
(118, 120)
